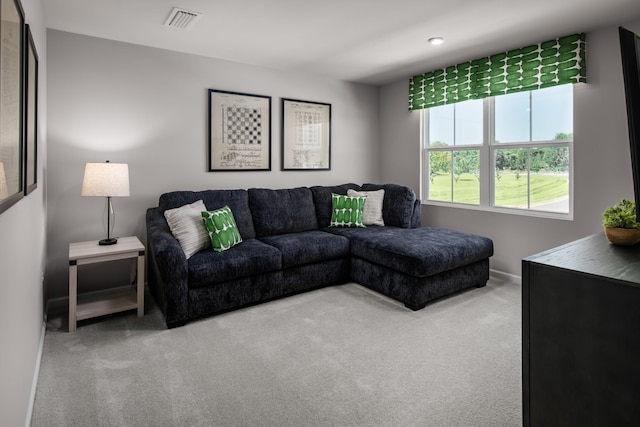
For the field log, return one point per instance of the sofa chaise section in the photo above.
(416, 266)
(410, 263)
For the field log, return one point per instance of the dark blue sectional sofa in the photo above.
(288, 247)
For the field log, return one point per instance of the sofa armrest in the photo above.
(399, 206)
(416, 217)
(168, 269)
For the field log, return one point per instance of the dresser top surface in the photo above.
(596, 256)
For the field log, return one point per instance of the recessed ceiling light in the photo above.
(436, 40)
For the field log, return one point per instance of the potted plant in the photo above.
(620, 224)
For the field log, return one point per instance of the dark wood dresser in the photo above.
(581, 335)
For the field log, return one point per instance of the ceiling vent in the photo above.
(183, 19)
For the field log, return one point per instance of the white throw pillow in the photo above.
(187, 226)
(372, 214)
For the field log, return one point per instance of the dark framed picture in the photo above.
(306, 135)
(239, 131)
(30, 114)
(11, 103)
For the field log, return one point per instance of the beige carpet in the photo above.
(339, 356)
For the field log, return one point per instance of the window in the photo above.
(509, 152)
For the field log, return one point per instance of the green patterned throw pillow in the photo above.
(222, 228)
(346, 211)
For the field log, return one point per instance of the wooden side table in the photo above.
(100, 303)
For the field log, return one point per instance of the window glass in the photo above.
(527, 146)
(511, 183)
(466, 176)
(456, 124)
(468, 123)
(512, 117)
(441, 129)
(549, 179)
(552, 113)
(454, 176)
(440, 176)
(532, 178)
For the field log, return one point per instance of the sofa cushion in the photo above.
(308, 247)
(222, 228)
(249, 258)
(322, 200)
(347, 211)
(237, 200)
(188, 228)
(399, 201)
(372, 213)
(420, 252)
(282, 211)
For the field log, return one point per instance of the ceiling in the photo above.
(367, 41)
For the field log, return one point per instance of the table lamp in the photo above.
(106, 180)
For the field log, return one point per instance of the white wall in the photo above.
(148, 107)
(22, 260)
(601, 161)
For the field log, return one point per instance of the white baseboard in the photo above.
(36, 371)
(504, 275)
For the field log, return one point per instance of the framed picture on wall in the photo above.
(239, 131)
(306, 135)
(30, 114)
(11, 101)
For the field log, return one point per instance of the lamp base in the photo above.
(105, 242)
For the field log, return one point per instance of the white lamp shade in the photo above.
(106, 180)
(4, 191)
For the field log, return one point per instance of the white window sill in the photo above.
(511, 211)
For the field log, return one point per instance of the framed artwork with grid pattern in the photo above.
(306, 135)
(239, 131)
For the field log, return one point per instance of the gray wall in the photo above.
(148, 107)
(22, 260)
(602, 168)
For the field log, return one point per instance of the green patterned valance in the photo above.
(551, 63)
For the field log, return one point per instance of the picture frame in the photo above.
(306, 135)
(30, 114)
(239, 131)
(11, 103)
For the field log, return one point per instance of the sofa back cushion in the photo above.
(237, 200)
(398, 205)
(324, 203)
(282, 211)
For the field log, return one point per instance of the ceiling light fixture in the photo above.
(436, 40)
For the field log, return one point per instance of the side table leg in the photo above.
(133, 269)
(73, 294)
(140, 285)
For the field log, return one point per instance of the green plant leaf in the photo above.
(621, 215)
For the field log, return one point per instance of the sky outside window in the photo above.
(456, 124)
(552, 112)
(545, 113)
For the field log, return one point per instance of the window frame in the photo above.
(487, 153)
